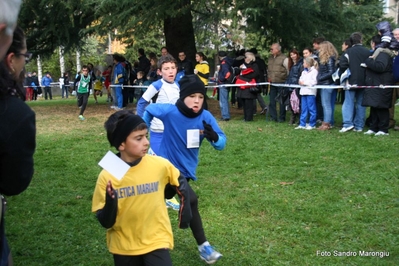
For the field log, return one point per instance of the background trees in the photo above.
(185, 25)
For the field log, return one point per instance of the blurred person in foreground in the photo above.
(18, 130)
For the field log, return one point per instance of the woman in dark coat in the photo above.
(245, 94)
(18, 131)
(295, 67)
(379, 72)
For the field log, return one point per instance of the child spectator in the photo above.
(98, 87)
(65, 86)
(308, 101)
(36, 86)
(107, 81)
(29, 87)
(153, 73)
(117, 80)
(187, 124)
(215, 79)
(83, 83)
(202, 67)
(139, 82)
(131, 209)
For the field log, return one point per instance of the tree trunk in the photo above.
(62, 60)
(78, 65)
(179, 34)
(39, 68)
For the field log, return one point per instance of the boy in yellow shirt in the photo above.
(132, 208)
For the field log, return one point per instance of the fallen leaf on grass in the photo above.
(286, 183)
(79, 197)
(259, 129)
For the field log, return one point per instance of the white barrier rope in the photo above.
(345, 87)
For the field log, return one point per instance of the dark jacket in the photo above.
(17, 145)
(324, 77)
(352, 58)
(224, 71)
(378, 72)
(185, 65)
(246, 93)
(262, 69)
(35, 79)
(295, 72)
(66, 80)
(144, 65)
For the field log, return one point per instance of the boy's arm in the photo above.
(141, 105)
(185, 208)
(147, 117)
(147, 96)
(77, 79)
(216, 137)
(107, 215)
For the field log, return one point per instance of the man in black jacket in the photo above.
(184, 66)
(353, 113)
(144, 62)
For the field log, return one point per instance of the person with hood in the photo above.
(379, 72)
(187, 124)
(223, 76)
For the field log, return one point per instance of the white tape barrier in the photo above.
(345, 87)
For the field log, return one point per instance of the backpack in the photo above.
(233, 73)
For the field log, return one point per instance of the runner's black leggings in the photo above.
(196, 222)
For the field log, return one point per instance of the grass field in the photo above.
(274, 196)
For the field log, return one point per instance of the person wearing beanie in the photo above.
(187, 124)
(131, 208)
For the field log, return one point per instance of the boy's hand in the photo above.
(209, 133)
(110, 189)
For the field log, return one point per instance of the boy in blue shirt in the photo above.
(186, 125)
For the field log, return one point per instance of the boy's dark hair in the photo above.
(141, 51)
(310, 49)
(115, 126)
(118, 57)
(376, 39)
(348, 42)
(152, 55)
(356, 38)
(166, 59)
(201, 54)
(319, 40)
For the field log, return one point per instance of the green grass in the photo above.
(341, 194)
